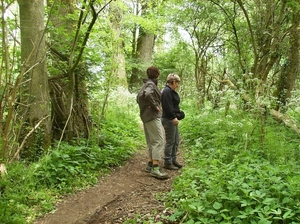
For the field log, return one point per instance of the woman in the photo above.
(170, 120)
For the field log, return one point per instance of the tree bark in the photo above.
(290, 69)
(142, 55)
(34, 92)
(267, 31)
(118, 65)
(68, 90)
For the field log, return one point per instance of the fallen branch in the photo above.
(286, 120)
(276, 114)
(224, 81)
(245, 97)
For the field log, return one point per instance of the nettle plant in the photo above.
(230, 178)
(247, 190)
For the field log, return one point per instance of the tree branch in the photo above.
(27, 136)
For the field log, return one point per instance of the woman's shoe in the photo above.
(175, 163)
(170, 167)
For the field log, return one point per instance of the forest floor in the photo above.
(128, 190)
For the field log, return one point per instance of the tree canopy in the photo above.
(242, 53)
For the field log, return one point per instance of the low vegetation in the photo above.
(234, 173)
(237, 170)
(32, 189)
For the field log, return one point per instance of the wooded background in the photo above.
(57, 53)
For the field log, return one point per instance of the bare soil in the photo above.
(127, 191)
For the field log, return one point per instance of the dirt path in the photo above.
(127, 191)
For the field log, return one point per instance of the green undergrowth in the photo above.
(32, 189)
(237, 171)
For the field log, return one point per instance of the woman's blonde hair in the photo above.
(173, 77)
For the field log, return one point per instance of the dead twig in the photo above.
(27, 136)
(3, 170)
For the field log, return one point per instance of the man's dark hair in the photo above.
(152, 72)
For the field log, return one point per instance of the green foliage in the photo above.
(31, 190)
(230, 178)
(142, 219)
(21, 197)
(176, 60)
(71, 164)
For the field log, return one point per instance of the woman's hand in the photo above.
(175, 121)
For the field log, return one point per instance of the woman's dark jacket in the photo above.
(170, 103)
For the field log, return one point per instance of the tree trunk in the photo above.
(67, 84)
(142, 55)
(118, 65)
(290, 69)
(145, 44)
(267, 33)
(200, 75)
(34, 98)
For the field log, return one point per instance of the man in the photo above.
(149, 100)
